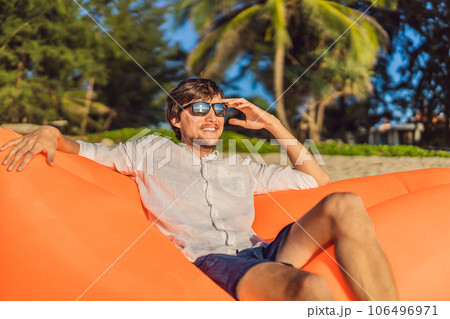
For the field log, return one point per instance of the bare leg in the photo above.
(275, 281)
(341, 219)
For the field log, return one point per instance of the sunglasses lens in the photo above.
(220, 109)
(200, 108)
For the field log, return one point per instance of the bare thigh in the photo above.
(318, 228)
(276, 281)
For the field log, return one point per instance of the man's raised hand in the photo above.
(44, 139)
(255, 117)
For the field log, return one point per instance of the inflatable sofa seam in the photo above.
(402, 183)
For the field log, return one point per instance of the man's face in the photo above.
(204, 131)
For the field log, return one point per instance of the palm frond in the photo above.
(276, 10)
(229, 42)
(361, 37)
(204, 47)
(387, 4)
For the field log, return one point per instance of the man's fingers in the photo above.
(246, 107)
(12, 142)
(12, 152)
(27, 150)
(237, 122)
(235, 102)
(50, 157)
(5, 146)
(26, 159)
(36, 149)
(16, 159)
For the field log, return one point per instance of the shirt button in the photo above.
(206, 176)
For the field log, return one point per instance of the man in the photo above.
(204, 203)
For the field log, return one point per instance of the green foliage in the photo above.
(34, 58)
(290, 45)
(336, 148)
(137, 97)
(74, 108)
(424, 42)
(227, 31)
(49, 48)
(361, 40)
(344, 149)
(125, 134)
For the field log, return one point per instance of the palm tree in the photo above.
(234, 28)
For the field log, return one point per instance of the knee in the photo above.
(342, 205)
(342, 202)
(309, 287)
(347, 213)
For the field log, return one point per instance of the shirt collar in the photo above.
(211, 156)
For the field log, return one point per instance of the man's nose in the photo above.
(211, 116)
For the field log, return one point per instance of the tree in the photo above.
(420, 82)
(425, 77)
(135, 25)
(287, 36)
(56, 63)
(36, 58)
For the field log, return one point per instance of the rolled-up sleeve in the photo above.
(120, 157)
(270, 178)
(126, 158)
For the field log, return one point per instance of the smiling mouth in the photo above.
(209, 129)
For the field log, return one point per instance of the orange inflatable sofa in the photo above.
(78, 231)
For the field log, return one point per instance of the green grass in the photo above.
(336, 148)
(229, 139)
(124, 134)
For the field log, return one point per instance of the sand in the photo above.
(344, 167)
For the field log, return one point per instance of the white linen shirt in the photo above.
(203, 205)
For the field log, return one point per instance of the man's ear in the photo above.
(175, 122)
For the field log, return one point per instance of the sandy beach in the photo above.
(344, 167)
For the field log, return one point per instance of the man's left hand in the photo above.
(255, 117)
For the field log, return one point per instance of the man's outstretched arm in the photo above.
(256, 118)
(46, 139)
(299, 156)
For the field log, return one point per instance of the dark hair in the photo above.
(185, 92)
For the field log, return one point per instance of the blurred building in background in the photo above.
(395, 134)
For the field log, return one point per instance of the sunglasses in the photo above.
(202, 108)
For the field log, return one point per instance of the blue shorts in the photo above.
(227, 270)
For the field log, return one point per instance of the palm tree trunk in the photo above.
(88, 103)
(278, 75)
(112, 114)
(314, 132)
(321, 110)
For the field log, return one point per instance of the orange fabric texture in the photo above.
(78, 231)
